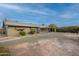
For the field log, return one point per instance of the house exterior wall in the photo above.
(11, 31)
(27, 30)
(14, 30)
(34, 29)
(44, 30)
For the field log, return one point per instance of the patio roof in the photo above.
(15, 23)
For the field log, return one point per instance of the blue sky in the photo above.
(60, 14)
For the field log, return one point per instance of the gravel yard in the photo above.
(50, 44)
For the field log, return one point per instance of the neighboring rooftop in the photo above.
(16, 23)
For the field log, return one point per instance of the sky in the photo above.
(61, 14)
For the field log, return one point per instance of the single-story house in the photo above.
(12, 28)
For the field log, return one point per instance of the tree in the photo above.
(53, 26)
(71, 29)
(43, 24)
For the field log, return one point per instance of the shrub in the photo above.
(71, 29)
(32, 31)
(22, 33)
(4, 51)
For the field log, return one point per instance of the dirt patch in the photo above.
(45, 48)
(73, 36)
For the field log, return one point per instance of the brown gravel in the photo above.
(47, 44)
(45, 48)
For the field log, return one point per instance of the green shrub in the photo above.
(4, 51)
(22, 33)
(71, 29)
(32, 31)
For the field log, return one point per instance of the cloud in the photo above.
(70, 12)
(1, 16)
(10, 6)
(41, 10)
(36, 11)
(68, 15)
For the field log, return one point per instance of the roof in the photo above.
(15, 23)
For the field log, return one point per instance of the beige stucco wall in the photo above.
(43, 29)
(11, 31)
(27, 30)
(35, 29)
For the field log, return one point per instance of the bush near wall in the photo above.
(22, 33)
(32, 31)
